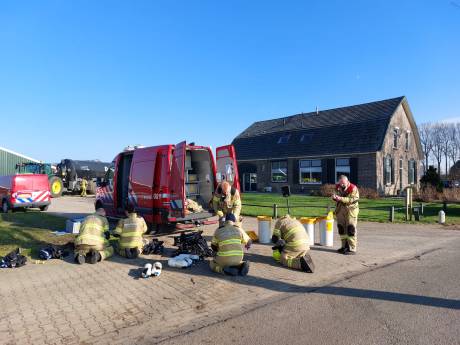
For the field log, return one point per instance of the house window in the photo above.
(395, 138)
(305, 138)
(310, 171)
(284, 139)
(412, 170)
(279, 171)
(342, 167)
(407, 140)
(388, 172)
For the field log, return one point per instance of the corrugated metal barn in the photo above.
(9, 159)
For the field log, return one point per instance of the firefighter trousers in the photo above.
(348, 232)
(220, 262)
(105, 253)
(291, 259)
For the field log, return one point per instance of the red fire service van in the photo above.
(161, 181)
(24, 191)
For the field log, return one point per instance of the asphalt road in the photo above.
(415, 301)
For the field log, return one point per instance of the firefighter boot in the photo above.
(231, 270)
(128, 253)
(134, 253)
(94, 257)
(80, 259)
(244, 268)
(306, 263)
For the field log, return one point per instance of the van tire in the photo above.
(44, 208)
(5, 207)
(56, 186)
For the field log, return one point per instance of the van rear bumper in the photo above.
(30, 204)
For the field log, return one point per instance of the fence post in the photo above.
(275, 211)
(444, 206)
(392, 214)
(421, 208)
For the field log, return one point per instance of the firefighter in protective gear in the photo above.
(84, 185)
(226, 200)
(346, 212)
(92, 241)
(228, 242)
(130, 231)
(292, 247)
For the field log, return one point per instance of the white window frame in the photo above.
(310, 170)
(412, 178)
(271, 171)
(407, 143)
(395, 136)
(342, 166)
(390, 179)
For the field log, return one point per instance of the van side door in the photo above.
(227, 168)
(177, 181)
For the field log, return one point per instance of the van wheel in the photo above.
(5, 207)
(44, 208)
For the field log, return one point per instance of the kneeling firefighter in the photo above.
(226, 199)
(228, 242)
(130, 231)
(92, 242)
(292, 245)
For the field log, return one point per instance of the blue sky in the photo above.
(82, 79)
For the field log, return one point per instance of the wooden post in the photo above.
(421, 208)
(392, 214)
(406, 202)
(275, 211)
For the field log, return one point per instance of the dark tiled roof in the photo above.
(355, 129)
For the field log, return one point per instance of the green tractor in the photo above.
(56, 185)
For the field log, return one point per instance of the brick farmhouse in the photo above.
(376, 144)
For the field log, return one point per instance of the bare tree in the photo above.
(426, 139)
(453, 131)
(438, 144)
(446, 143)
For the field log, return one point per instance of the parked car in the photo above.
(24, 191)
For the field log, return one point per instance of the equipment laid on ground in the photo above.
(150, 270)
(182, 260)
(72, 226)
(24, 191)
(192, 243)
(265, 229)
(159, 180)
(13, 259)
(52, 252)
(153, 247)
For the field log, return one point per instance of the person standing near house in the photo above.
(84, 185)
(226, 200)
(346, 211)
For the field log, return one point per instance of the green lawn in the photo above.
(30, 231)
(371, 210)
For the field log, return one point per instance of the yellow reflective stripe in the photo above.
(289, 262)
(230, 241)
(230, 253)
(91, 237)
(131, 234)
(292, 231)
(277, 232)
(296, 243)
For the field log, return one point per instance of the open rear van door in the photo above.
(227, 169)
(177, 182)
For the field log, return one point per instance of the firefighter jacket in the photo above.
(293, 233)
(131, 230)
(92, 232)
(230, 203)
(229, 241)
(84, 183)
(347, 207)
